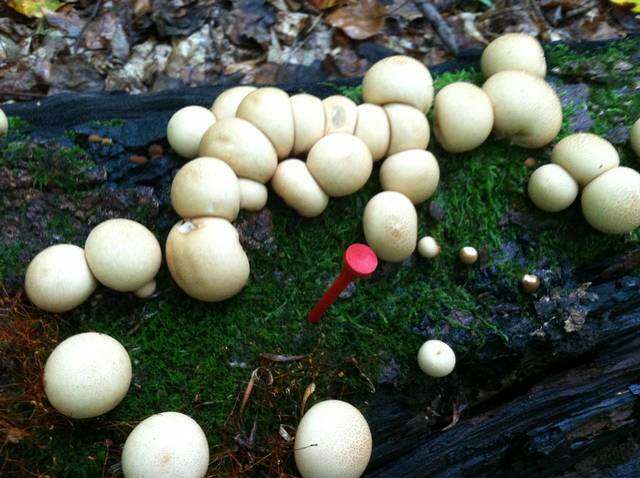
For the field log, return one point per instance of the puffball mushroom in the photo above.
(341, 164)
(227, 102)
(123, 254)
(398, 79)
(428, 247)
(146, 291)
(468, 255)
(390, 223)
(635, 137)
(436, 358)
(530, 283)
(206, 187)
(253, 195)
(333, 440)
(87, 375)
(585, 156)
(341, 114)
(295, 185)
(58, 279)
(4, 123)
(611, 202)
(269, 109)
(373, 129)
(309, 122)
(462, 117)
(414, 173)
(168, 444)
(206, 260)
(186, 128)
(514, 51)
(551, 188)
(409, 128)
(243, 147)
(526, 109)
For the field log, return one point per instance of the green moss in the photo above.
(10, 259)
(18, 124)
(352, 92)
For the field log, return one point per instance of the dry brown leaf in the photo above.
(360, 20)
(34, 8)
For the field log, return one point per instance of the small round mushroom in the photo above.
(253, 195)
(552, 189)
(436, 358)
(206, 260)
(526, 109)
(186, 128)
(409, 128)
(58, 279)
(514, 51)
(398, 79)
(530, 283)
(87, 375)
(611, 202)
(635, 137)
(243, 147)
(428, 247)
(309, 122)
(4, 123)
(167, 444)
(269, 110)
(530, 163)
(206, 187)
(227, 102)
(295, 185)
(341, 164)
(146, 290)
(468, 255)
(585, 156)
(373, 128)
(462, 117)
(333, 439)
(123, 254)
(390, 224)
(341, 114)
(414, 173)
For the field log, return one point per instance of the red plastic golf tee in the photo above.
(359, 261)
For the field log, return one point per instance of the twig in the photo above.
(443, 29)
(92, 17)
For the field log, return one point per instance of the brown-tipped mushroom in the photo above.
(414, 173)
(295, 185)
(187, 127)
(409, 128)
(585, 156)
(341, 114)
(514, 51)
(530, 283)
(468, 255)
(253, 195)
(309, 122)
(226, 104)
(373, 128)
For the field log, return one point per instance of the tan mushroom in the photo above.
(227, 102)
(295, 185)
(253, 195)
(551, 188)
(341, 114)
(186, 128)
(514, 51)
(409, 128)
(585, 156)
(635, 137)
(414, 173)
(373, 128)
(4, 123)
(309, 122)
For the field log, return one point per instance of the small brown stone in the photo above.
(138, 159)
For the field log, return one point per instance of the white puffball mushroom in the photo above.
(462, 117)
(551, 188)
(4, 123)
(146, 290)
(468, 255)
(373, 129)
(526, 109)
(398, 79)
(123, 254)
(186, 128)
(611, 202)
(514, 51)
(309, 122)
(58, 279)
(295, 185)
(390, 223)
(206, 260)
(269, 110)
(585, 156)
(634, 136)
(341, 164)
(333, 440)
(243, 147)
(87, 375)
(341, 114)
(409, 128)
(168, 444)
(253, 195)
(428, 247)
(227, 102)
(414, 173)
(436, 358)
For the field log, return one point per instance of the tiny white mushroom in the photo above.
(186, 128)
(436, 358)
(414, 173)
(551, 188)
(309, 122)
(409, 128)
(227, 102)
(341, 114)
(514, 51)
(428, 247)
(585, 156)
(373, 128)
(295, 185)
(4, 123)
(253, 195)
(146, 290)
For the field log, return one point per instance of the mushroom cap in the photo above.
(409, 128)
(269, 110)
(295, 185)
(243, 147)
(428, 247)
(341, 164)
(206, 187)
(309, 122)
(4, 123)
(253, 195)
(398, 79)
(87, 375)
(123, 254)
(635, 137)
(514, 51)
(585, 156)
(341, 114)
(186, 128)
(390, 225)
(373, 128)
(462, 117)
(167, 444)
(227, 102)
(332, 440)
(58, 279)
(611, 202)
(551, 188)
(146, 290)
(436, 358)
(525, 108)
(468, 255)
(414, 173)
(206, 260)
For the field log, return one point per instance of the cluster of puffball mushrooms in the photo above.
(252, 136)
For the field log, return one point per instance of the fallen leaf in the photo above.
(360, 20)
(34, 8)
